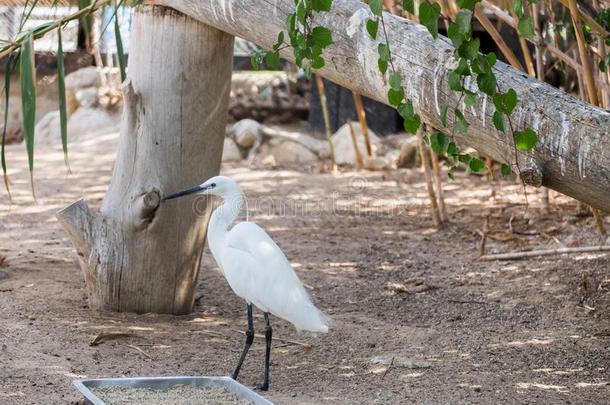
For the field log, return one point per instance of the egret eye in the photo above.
(213, 184)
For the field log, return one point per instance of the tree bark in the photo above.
(574, 142)
(136, 254)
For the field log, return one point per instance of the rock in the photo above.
(86, 122)
(377, 163)
(230, 151)
(245, 132)
(269, 162)
(47, 130)
(85, 77)
(87, 97)
(392, 158)
(344, 148)
(408, 153)
(14, 131)
(287, 152)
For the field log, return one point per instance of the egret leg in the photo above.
(268, 337)
(249, 340)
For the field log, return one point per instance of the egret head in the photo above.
(220, 186)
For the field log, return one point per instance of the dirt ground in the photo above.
(415, 317)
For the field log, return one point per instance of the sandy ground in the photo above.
(416, 318)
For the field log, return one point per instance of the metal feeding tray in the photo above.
(165, 383)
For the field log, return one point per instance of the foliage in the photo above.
(20, 53)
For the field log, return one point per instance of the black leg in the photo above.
(249, 340)
(268, 337)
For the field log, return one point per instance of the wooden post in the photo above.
(137, 254)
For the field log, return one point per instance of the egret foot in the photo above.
(268, 337)
(249, 340)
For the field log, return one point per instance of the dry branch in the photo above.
(545, 252)
(572, 153)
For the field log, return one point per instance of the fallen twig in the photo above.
(104, 336)
(545, 252)
(141, 351)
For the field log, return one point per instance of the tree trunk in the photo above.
(136, 254)
(572, 154)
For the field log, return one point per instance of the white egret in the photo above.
(255, 267)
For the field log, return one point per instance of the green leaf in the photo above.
(470, 49)
(452, 149)
(279, 42)
(439, 143)
(321, 5)
(444, 109)
(491, 59)
(384, 51)
(376, 7)
(470, 99)
(467, 4)
(525, 140)
(395, 81)
(119, 48)
(476, 165)
(526, 26)
(463, 19)
(487, 83)
(498, 120)
(61, 87)
(510, 100)
(301, 12)
(451, 175)
(453, 32)
(518, 7)
(372, 26)
(505, 170)
(28, 99)
(272, 60)
(395, 96)
(412, 125)
(408, 6)
(322, 36)
(428, 16)
(406, 110)
(461, 125)
(383, 65)
(8, 68)
(455, 81)
(318, 62)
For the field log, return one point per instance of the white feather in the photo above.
(253, 264)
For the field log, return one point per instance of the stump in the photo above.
(138, 255)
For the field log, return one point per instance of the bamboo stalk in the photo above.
(329, 134)
(527, 56)
(582, 50)
(363, 125)
(510, 21)
(493, 32)
(589, 84)
(43, 29)
(436, 171)
(358, 156)
(545, 252)
(436, 218)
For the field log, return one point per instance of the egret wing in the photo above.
(258, 271)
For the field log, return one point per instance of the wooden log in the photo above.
(574, 146)
(136, 254)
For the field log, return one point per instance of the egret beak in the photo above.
(192, 190)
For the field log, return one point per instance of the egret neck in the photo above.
(222, 218)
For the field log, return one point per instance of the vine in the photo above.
(308, 43)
